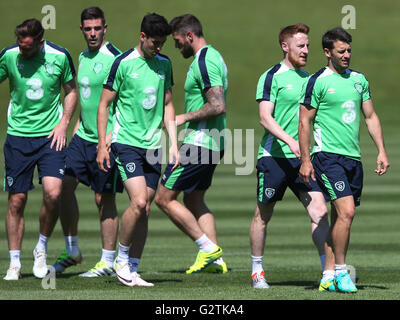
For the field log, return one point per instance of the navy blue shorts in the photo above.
(23, 154)
(195, 170)
(134, 162)
(274, 175)
(338, 176)
(81, 163)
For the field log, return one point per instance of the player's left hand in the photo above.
(174, 157)
(59, 135)
(382, 164)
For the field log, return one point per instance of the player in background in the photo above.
(333, 100)
(203, 146)
(278, 93)
(140, 81)
(81, 165)
(36, 135)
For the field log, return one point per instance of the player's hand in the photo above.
(108, 142)
(174, 157)
(295, 148)
(103, 156)
(382, 164)
(59, 135)
(306, 171)
(180, 119)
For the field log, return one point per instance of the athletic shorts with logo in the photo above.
(81, 163)
(133, 162)
(338, 176)
(23, 154)
(195, 171)
(275, 175)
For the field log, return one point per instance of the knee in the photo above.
(139, 205)
(16, 203)
(318, 213)
(52, 196)
(161, 201)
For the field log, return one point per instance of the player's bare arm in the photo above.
(214, 107)
(307, 113)
(266, 109)
(59, 133)
(107, 96)
(170, 125)
(375, 131)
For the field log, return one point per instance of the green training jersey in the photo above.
(35, 84)
(140, 85)
(337, 99)
(283, 87)
(207, 70)
(93, 69)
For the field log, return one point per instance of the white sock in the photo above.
(340, 268)
(205, 244)
(328, 275)
(15, 258)
(108, 257)
(42, 243)
(256, 264)
(134, 264)
(72, 246)
(123, 253)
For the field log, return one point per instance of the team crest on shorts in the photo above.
(131, 166)
(10, 181)
(269, 192)
(340, 185)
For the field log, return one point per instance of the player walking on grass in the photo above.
(278, 93)
(140, 81)
(81, 165)
(203, 146)
(36, 134)
(334, 97)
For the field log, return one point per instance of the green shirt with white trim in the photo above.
(207, 70)
(35, 84)
(282, 86)
(140, 84)
(93, 69)
(337, 99)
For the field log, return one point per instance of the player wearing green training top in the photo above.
(334, 98)
(81, 165)
(204, 118)
(278, 93)
(36, 134)
(140, 81)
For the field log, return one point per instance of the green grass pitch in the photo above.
(246, 35)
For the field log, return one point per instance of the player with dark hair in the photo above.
(278, 93)
(81, 165)
(334, 98)
(203, 147)
(36, 135)
(140, 81)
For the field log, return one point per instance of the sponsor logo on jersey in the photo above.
(331, 90)
(161, 74)
(131, 166)
(269, 192)
(134, 75)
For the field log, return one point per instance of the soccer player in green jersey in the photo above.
(204, 118)
(140, 81)
(278, 93)
(81, 165)
(36, 135)
(334, 98)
